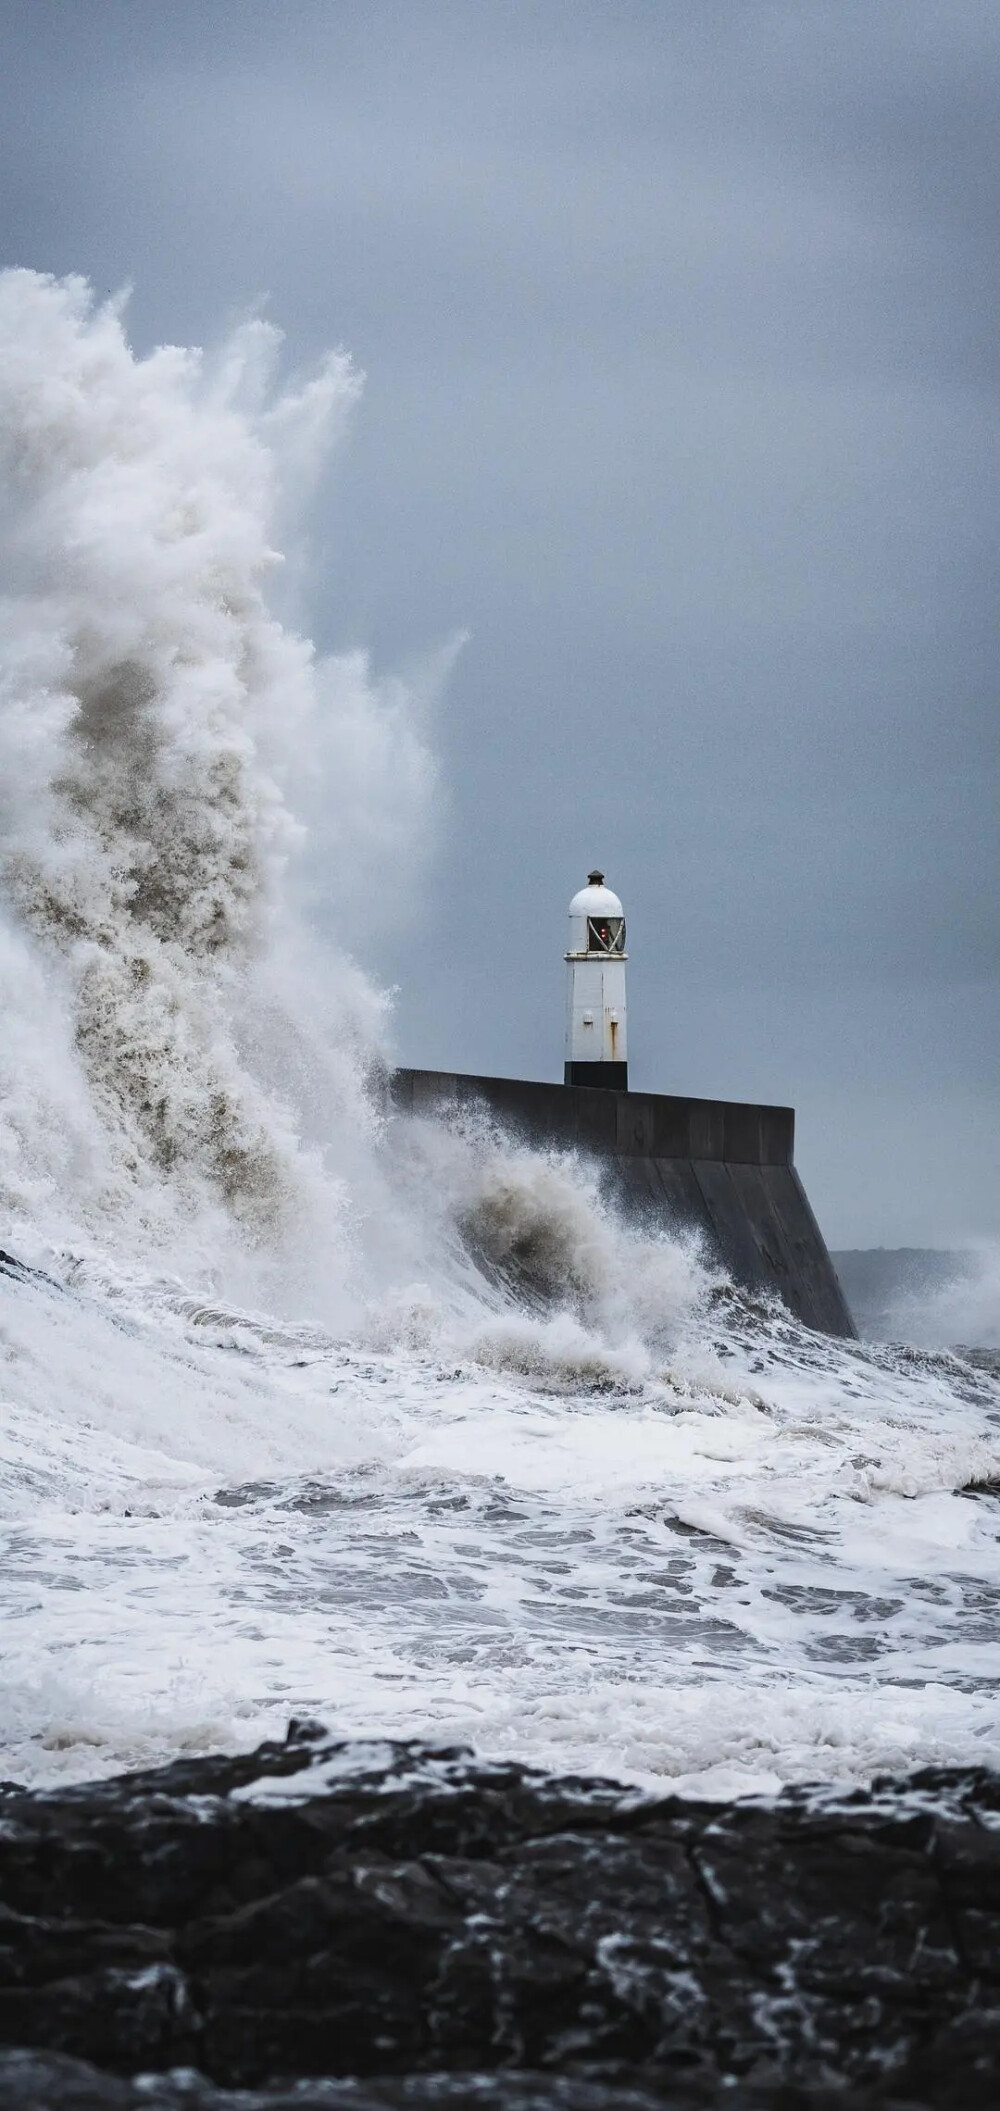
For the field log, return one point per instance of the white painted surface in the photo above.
(596, 1021)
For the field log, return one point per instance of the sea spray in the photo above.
(154, 717)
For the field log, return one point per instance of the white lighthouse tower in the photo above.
(596, 1040)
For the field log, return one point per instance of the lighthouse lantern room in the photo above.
(596, 1040)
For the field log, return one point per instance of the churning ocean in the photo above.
(307, 1410)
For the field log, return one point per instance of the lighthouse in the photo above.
(722, 1167)
(596, 1042)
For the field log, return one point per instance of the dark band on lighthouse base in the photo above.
(613, 1076)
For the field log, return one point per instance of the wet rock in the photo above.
(399, 1925)
(46, 2081)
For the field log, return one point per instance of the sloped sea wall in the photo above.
(721, 1165)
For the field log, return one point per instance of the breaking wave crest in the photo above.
(153, 714)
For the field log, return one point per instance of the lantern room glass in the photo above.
(605, 934)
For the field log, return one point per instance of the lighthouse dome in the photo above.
(596, 919)
(595, 899)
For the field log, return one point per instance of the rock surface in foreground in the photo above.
(423, 1928)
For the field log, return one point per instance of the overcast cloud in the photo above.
(679, 326)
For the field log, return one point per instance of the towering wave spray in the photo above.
(153, 716)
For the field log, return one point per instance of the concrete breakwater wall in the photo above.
(722, 1166)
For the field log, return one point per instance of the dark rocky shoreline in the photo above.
(394, 1925)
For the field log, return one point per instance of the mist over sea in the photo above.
(307, 1410)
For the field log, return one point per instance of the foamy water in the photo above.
(307, 1410)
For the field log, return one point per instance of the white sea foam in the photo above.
(306, 1409)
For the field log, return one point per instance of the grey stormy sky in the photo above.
(679, 319)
